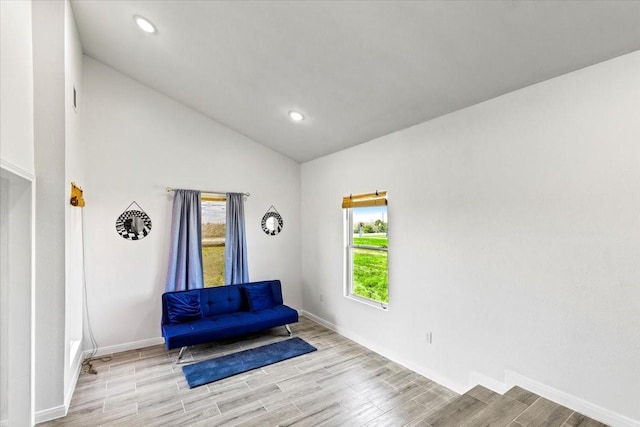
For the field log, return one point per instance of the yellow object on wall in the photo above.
(76, 196)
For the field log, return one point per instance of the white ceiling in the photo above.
(356, 69)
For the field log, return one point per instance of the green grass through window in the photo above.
(213, 265)
(372, 240)
(213, 235)
(370, 268)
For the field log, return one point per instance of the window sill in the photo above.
(370, 303)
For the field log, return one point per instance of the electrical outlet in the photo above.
(428, 337)
(321, 298)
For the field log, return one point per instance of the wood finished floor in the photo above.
(341, 384)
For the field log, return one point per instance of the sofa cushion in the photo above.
(222, 299)
(226, 326)
(183, 306)
(260, 297)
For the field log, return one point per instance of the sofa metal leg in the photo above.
(289, 330)
(181, 354)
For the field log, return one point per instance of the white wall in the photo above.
(514, 238)
(16, 214)
(4, 300)
(49, 153)
(138, 142)
(5, 304)
(16, 85)
(41, 62)
(74, 172)
(16, 283)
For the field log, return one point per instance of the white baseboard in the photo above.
(103, 351)
(77, 366)
(512, 378)
(50, 414)
(61, 411)
(582, 406)
(476, 378)
(425, 372)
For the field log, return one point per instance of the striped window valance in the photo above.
(379, 198)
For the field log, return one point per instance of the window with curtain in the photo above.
(224, 251)
(208, 241)
(185, 253)
(367, 247)
(214, 213)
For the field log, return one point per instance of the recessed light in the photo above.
(296, 116)
(144, 24)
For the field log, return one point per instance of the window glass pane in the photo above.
(370, 226)
(370, 274)
(368, 254)
(213, 236)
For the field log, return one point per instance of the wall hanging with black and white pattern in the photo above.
(133, 224)
(272, 222)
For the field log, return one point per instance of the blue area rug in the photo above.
(225, 366)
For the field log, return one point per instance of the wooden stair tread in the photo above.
(522, 395)
(499, 413)
(483, 394)
(454, 413)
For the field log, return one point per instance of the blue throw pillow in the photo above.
(259, 297)
(183, 306)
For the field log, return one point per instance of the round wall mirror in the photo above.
(272, 223)
(133, 225)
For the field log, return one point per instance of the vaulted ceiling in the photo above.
(356, 70)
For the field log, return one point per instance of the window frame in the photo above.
(349, 247)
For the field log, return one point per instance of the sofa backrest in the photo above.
(225, 299)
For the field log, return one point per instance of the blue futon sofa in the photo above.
(201, 315)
